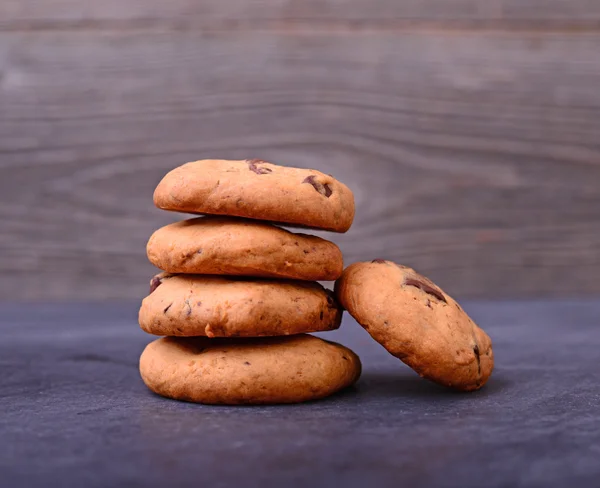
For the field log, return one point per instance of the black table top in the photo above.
(74, 412)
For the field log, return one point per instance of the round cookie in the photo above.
(198, 305)
(260, 190)
(248, 371)
(417, 322)
(233, 246)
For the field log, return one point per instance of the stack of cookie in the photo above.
(238, 294)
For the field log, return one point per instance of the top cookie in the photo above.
(260, 190)
(417, 322)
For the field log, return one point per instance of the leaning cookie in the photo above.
(258, 190)
(197, 305)
(417, 322)
(248, 371)
(233, 246)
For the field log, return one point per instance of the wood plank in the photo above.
(232, 14)
(474, 157)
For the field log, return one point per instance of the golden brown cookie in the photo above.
(260, 190)
(417, 322)
(197, 305)
(233, 246)
(248, 371)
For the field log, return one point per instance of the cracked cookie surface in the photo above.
(258, 189)
(243, 247)
(198, 305)
(248, 371)
(417, 322)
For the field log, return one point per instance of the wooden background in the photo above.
(469, 131)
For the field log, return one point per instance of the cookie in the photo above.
(233, 246)
(417, 322)
(260, 190)
(198, 305)
(248, 371)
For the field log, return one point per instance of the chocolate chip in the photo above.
(155, 283)
(321, 315)
(252, 166)
(378, 260)
(425, 285)
(476, 351)
(188, 312)
(323, 189)
(246, 363)
(199, 304)
(199, 251)
(167, 308)
(330, 299)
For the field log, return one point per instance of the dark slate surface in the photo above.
(73, 411)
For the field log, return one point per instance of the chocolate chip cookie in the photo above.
(233, 246)
(417, 322)
(260, 190)
(248, 371)
(198, 305)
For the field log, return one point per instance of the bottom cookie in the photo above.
(270, 370)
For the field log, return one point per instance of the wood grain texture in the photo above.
(17, 14)
(474, 156)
